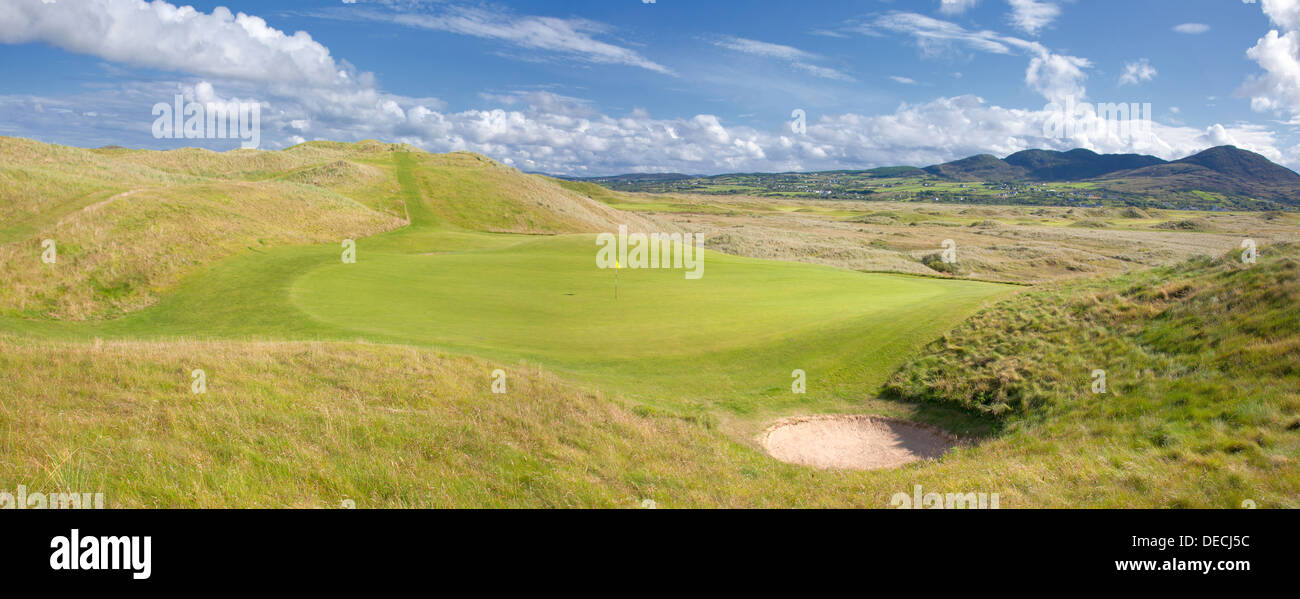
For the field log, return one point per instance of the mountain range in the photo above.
(1224, 169)
(1236, 177)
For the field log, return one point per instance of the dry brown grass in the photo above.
(1025, 244)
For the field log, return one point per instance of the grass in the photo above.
(1202, 398)
(123, 253)
(372, 381)
(728, 341)
(731, 338)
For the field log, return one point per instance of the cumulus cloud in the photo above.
(1137, 71)
(163, 36)
(1031, 16)
(795, 57)
(1057, 76)
(542, 131)
(1277, 89)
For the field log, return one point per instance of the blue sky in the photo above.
(609, 86)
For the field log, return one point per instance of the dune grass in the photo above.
(1201, 404)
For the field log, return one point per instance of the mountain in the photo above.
(1218, 178)
(1233, 161)
(984, 167)
(1041, 165)
(1225, 169)
(1048, 165)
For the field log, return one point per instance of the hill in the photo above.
(1225, 169)
(1075, 165)
(130, 224)
(984, 167)
(1201, 403)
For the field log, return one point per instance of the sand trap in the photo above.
(853, 442)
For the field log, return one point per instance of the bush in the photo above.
(936, 263)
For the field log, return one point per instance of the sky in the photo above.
(587, 88)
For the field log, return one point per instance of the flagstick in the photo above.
(616, 269)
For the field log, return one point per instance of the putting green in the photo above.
(735, 334)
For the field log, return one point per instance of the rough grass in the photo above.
(1200, 361)
(472, 192)
(129, 224)
(120, 254)
(315, 424)
(312, 425)
(1022, 244)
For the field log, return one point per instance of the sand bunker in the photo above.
(853, 442)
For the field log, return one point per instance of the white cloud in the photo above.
(952, 7)
(162, 36)
(543, 131)
(936, 35)
(1137, 72)
(1055, 76)
(1278, 88)
(1031, 16)
(569, 37)
(1286, 13)
(903, 80)
(795, 57)
(1192, 28)
(758, 48)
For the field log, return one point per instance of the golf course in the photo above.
(347, 308)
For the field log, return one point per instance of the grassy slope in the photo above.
(1203, 400)
(121, 254)
(266, 444)
(129, 224)
(312, 424)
